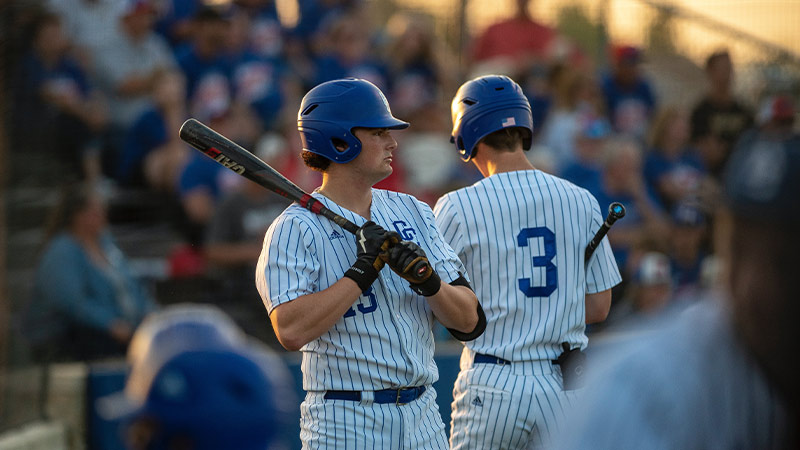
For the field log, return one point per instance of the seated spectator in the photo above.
(417, 67)
(86, 301)
(235, 235)
(586, 168)
(519, 40)
(576, 103)
(265, 34)
(259, 78)
(347, 53)
(686, 247)
(630, 101)
(89, 25)
(175, 20)
(205, 63)
(128, 64)
(719, 116)
(622, 180)
(648, 293)
(672, 170)
(152, 152)
(57, 111)
(196, 382)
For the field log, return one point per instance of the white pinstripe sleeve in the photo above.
(449, 224)
(602, 273)
(444, 259)
(287, 267)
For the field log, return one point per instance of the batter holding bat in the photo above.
(523, 236)
(365, 330)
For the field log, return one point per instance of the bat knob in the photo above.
(616, 211)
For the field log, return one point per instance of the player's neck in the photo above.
(348, 193)
(500, 162)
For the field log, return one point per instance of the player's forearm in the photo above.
(455, 307)
(597, 306)
(300, 321)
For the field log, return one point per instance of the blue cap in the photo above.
(762, 180)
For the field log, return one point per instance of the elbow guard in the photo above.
(479, 328)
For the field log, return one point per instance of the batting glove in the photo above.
(371, 241)
(403, 258)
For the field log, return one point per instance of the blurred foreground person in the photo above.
(196, 383)
(86, 301)
(721, 374)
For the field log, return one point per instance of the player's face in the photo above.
(375, 160)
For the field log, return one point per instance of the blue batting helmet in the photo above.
(194, 381)
(487, 104)
(330, 111)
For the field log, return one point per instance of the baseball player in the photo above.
(365, 333)
(521, 235)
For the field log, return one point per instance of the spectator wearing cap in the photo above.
(686, 247)
(630, 101)
(719, 118)
(586, 166)
(672, 170)
(196, 382)
(776, 116)
(128, 64)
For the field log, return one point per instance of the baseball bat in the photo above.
(615, 212)
(229, 154)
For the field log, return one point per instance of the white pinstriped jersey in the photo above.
(521, 236)
(385, 340)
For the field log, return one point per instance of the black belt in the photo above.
(480, 358)
(396, 396)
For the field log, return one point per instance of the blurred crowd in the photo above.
(102, 87)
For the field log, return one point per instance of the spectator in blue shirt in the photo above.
(347, 53)
(56, 109)
(673, 171)
(622, 181)
(629, 98)
(205, 64)
(86, 300)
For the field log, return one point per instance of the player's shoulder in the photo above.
(390, 198)
(295, 217)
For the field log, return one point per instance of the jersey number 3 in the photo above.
(546, 261)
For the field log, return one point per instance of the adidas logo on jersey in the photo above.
(477, 401)
(335, 235)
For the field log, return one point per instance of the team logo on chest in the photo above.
(406, 232)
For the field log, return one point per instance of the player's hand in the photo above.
(371, 241)
(403, 257)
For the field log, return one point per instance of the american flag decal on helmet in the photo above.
(508, 122)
